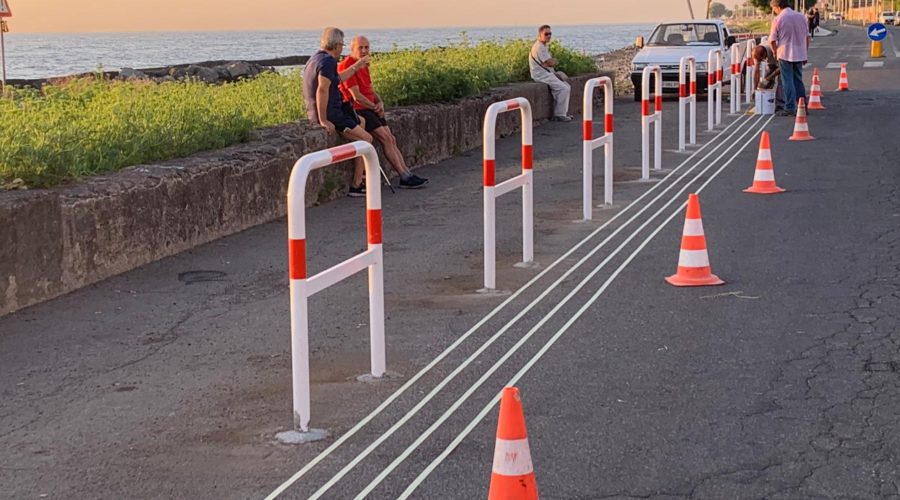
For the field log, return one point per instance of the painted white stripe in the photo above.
(873, 64)
(693, 227)
(764, 154)
(764, 175)
(512, 457)
(833, 65)
(471, 390)
(524, 370)
(693, 258)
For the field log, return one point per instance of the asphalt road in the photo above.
(171, 381)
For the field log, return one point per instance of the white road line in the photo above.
(412, 412)
(393, 397)
(471, 390)
(833, 65)
(873, 64)
(477, 420)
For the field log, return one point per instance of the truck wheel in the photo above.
(637, 94)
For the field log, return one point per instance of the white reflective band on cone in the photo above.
(693, 258)
(512, 457)
(764, 154)
(764, 175)
(693, 227)
(802, 127)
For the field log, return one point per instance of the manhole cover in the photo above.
(191, 277)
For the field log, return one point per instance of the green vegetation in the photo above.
(89, 126)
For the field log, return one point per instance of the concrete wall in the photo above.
(58, 240)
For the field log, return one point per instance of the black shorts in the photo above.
(345, 120)
(373, 121)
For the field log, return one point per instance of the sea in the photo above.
(36, 55)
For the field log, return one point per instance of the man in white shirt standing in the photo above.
(542, 66)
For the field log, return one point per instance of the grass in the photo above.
(90, 126)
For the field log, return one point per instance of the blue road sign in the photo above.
(877, 32)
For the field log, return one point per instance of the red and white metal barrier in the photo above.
(687, 100)
(647, 119)
(751, 68)
(492, 190)
(737, 59)
(302, 287)
(590, 144)
(714, 77)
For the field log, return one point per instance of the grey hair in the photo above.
(331, 37)
(782, 4)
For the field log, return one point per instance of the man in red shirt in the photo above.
(358, 90)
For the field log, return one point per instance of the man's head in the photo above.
(779, 5)
(544, 33)
(332, 41)
(359, 47)
(759, 53)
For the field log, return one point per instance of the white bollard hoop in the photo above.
(648, 118)
(751, 68)
(590, 144)
(492, 190)
(302, 286)
(714, 79)
(687, 100)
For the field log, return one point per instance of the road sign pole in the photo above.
(2, 59)
(876, 51)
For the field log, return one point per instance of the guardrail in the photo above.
(714, 89)
(303, 287)
(648, 119)
(590, 144)
(492, 190)
(687, 100)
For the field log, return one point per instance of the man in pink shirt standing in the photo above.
(790, 41)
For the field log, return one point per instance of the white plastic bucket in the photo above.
(765, 102)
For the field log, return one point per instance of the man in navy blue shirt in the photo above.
(324, 105)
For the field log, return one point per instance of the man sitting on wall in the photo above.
(323, 97)
(542, 64)
(358, 90)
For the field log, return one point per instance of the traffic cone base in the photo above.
(764, 176)
(693, 260)
(512, 474)
(801, 127)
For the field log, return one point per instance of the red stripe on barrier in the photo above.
(720, 75)
(658, 104)
(609, 123)
(297, 259)
(489, 172)
(342, 152)
(645, 107)
(588, 130)
(527, 156)
(693, 88)
(682, 90)
(373, 220)
(512, 104)
(711, 78)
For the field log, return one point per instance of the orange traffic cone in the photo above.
(801, 127)
(512, 477)
(815, 92)
(693, 261)
(764, 177)
(844, 83)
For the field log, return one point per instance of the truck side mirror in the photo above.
(639, 42)
(731, 40)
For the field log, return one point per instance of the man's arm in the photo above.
(322, 94)
(360, 98)
(347, 73)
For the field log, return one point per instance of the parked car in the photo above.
(887, 18)
(669, 42)
(836, 16)
(897, 18)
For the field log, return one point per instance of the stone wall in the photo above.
(58, 240)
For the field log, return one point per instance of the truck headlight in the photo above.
(701, 66)
(638, 66)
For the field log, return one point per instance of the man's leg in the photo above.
(787, 82)
(798, 82)
(560, 91)
(391, 151)
(359, 167)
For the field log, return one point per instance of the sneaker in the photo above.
(413, 182)
(785, 112)
(563, 118)
(357, 192)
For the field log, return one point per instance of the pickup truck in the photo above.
(669, 42)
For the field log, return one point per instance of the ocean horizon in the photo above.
(43, 55)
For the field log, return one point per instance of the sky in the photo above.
(31, 16)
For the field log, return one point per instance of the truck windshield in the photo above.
(685, 34)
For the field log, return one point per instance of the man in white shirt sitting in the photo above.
(542, 65)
